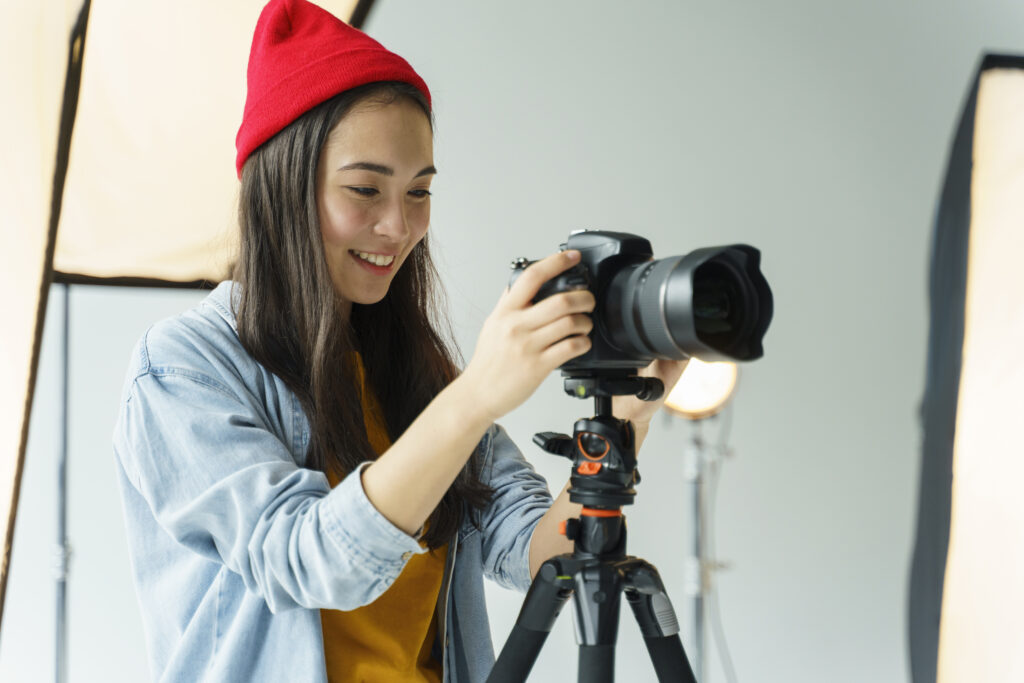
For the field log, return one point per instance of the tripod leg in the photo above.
(548, 593)
(669, 659)
(597, 663)
(597, 599)
(653, 611)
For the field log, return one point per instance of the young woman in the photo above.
(313, 490)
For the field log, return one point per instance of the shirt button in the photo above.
(406, 555)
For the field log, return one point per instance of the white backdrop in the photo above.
(815, 131)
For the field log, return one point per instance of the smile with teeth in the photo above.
(376, 259)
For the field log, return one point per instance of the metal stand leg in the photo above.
(61, 552)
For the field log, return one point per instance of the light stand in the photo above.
(62, 550)
(701, 393)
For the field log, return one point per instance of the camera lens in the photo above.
(712, 303)
(722, 314)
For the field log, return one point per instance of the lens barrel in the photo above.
(712, 303)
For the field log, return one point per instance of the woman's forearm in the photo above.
(408, 480)
(547, 540)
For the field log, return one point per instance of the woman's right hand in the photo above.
(522, 342)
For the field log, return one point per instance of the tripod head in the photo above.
(602, 448)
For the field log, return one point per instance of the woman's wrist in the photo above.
(470, 399)
(640, 429)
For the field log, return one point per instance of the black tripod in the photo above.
(598, 571)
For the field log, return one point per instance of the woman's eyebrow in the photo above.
(383, 170)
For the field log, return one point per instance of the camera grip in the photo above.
(577, 277)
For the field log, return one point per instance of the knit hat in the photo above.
(301, 56)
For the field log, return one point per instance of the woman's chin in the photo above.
(365, 298)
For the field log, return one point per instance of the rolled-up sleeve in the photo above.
(521, 498)
(221, 483)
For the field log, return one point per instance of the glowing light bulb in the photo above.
(703, 389)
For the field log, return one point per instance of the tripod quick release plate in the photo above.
(644, 388)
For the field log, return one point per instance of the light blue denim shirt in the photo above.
(235, 547)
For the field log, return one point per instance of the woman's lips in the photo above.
(385, 263)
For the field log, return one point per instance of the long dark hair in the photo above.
(288, 317)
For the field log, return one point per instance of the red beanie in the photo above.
(301, 56)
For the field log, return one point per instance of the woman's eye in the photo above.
(364, 191)
(420, 194)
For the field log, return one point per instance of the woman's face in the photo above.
(373, 196)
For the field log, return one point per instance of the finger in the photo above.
(567, 326)
(564, 351)
(527, 285)
(557, 306)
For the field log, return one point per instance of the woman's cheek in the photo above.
(421, 219)
(343, 222)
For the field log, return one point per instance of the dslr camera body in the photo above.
(712, 304)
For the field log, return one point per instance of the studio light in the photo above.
(703, 390)
(966, 598)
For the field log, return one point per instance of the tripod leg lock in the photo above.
(646, 595)
(548, 593)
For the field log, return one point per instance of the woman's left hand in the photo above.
(640, 412)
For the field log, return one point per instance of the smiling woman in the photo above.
(313, 489)
(315, 214)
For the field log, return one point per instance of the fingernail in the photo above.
(572, 255)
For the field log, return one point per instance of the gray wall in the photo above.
(814, 130)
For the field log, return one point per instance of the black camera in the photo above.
(712, 304)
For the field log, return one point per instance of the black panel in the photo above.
(76, 279)
(360, 14)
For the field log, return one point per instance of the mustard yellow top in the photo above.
(391, 638)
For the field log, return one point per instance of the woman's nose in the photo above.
(393, 222)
